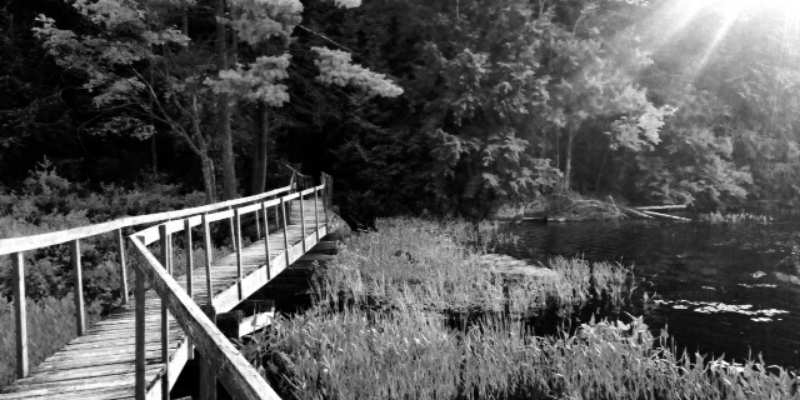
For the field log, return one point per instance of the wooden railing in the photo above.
(220, 360)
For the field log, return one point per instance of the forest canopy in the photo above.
(439, 107)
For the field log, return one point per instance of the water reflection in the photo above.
(704, 274)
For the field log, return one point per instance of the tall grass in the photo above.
(423, 266)
(355, 355)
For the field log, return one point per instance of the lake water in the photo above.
(721, 289)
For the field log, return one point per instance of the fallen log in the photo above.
(636, 213)
(667, 216)
(663, 208)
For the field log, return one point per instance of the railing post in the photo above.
(80, 312)
(266, 240)
(207, 245)
(302, 223)
(258, 224)
(316, 214)
(325, 197)
(123, 266)
(165, 260)
(237, 243)
(139, 297)
(20, 315)
(208, 375)
(187, 228)
(285, 234)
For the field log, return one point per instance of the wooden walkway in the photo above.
(101, 363)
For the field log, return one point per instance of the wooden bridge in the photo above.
(138, 351)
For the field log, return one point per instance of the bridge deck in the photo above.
(100, 364)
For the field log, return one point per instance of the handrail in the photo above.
(231, 366)
(238, 376)
(33, 242)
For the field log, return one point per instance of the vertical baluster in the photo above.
(237, 243)
(123, 266)
(165, 260)
(302, 223)
(20, 315)
(285, 233)
(139, 295)
(266, 240)
(277, 220)
(80, 312)
(187, 228)
(232, 229)
(258, 224)
(316, 214)
(325, 201)
(209, 256)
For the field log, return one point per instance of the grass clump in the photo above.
(358, 355)
(718, 218)
(418, 265)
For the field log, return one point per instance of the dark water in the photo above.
(698, 263)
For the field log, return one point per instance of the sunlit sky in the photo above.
(672, 19)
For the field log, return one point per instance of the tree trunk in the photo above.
(568, 161)
(224, 109)
(259, 180)
(209, 179)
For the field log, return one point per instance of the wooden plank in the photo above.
(21, 316)
(80, 312)
(26, 243)
(666, 207)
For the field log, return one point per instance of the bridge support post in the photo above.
(285, 234)
(237, 245)
(208, 375)
(208, 248)
(80, 312)
(165, 261)
(21, 315)
(266, 240)
(141, 385)
(123, 267)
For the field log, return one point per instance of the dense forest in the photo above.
(437, 107)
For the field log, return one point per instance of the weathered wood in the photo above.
(166, 256)
(667, 216)
(636, 212)
(266, 240)
(21, 244)
(302, 222)
(123, 266)
(258, 224)
(80, 312)
(235, 372)
(666, 207)
(140, 388)
(237, 246)
(109, 343)
(189, 269)
(208, 248)
(316, 215)
(285, 232)
(20, 315)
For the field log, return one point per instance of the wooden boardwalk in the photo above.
(101, 363)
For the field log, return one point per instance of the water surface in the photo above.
(722, 289)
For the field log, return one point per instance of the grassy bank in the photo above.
(381, 328)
